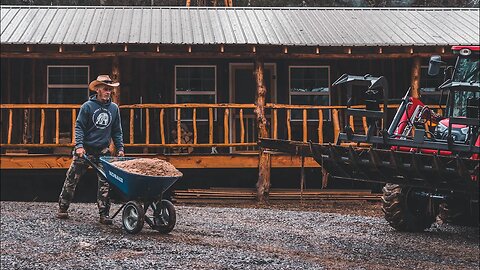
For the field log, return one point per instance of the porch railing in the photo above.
(175, 125)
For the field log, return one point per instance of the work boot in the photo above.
(105, 220)
(62, 214)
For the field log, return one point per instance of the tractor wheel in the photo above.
(404, 211)
(455, 212)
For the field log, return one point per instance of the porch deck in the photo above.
(40, 136)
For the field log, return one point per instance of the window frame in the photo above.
(327, 118)
(195, 93)
(53, 86)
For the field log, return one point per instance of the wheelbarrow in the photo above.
(143, 195)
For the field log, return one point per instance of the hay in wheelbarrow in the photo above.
(148, 166)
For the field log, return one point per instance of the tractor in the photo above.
(428, 162)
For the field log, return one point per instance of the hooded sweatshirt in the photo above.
(96, 124)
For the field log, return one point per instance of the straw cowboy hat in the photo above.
(102, 79)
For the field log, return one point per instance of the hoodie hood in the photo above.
(94, 99)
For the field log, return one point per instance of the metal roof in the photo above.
(239, 25)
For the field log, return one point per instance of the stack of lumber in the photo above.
(249, 194)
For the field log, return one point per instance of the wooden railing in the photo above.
(211, 125)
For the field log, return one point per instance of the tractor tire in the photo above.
(456, 212)
(400, 215)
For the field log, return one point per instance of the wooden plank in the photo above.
(365, 125)
(242, 127)
(10, 126)
(210, 125)
(304, 125)
(289, 127)
(87, 54)
(147, 126)
(132, 129)
(74, 121)
(42, 127)
(415, 78)
(320, 126)
(336, 125)
(57, 126)
(179, 126)
(225, 126)
(45, 161)
(162, 126)
(194, 123)
(351, 122)
(275, 124)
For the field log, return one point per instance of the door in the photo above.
(243, 91)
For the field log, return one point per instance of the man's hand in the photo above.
(80, 151)
(121, 154)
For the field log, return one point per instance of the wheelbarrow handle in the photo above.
(94, 166)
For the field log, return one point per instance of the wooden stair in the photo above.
(249, 194)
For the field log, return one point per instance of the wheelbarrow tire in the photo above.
(133, 217)
(166, 219)
(401, 215)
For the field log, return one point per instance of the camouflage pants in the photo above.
(75, 172)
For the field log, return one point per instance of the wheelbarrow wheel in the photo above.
(133, 217)
(165, 216)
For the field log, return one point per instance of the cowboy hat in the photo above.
(102, 79)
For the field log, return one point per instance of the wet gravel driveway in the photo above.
(333, 236)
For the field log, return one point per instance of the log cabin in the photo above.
(199, 85)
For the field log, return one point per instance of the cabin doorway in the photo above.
(243, 91)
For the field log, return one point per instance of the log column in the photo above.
(116, 77)
(263, 183)
(415, 93)
(116, 93)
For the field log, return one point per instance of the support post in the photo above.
(116, 77)
(416, 78)
(263, 183)
(116, 94)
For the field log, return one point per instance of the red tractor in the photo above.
(428, 162)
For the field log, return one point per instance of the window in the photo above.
(428, 86)
(67, 84)
(195, 84)
(309, 85)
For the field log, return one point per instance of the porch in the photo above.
(41, 136)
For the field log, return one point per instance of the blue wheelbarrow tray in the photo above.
(135, 186)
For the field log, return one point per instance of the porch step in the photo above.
(249, 194)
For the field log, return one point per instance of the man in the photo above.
(97, 123)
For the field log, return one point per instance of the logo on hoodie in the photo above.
(101, 118)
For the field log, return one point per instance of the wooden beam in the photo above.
(46, 161)
(215, 55)
(116, 77)
(263, 183)
(416, 68)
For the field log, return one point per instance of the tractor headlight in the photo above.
(464, 130)
(441, 128)
(465, 52)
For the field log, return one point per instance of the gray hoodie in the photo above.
(96, 124)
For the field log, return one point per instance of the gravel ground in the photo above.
(333, 236)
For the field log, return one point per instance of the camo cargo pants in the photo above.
(75, 172)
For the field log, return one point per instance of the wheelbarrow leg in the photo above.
(118, 211)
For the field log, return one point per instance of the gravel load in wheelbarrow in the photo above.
(143, 195)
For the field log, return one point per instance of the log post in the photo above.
(116, 77)
(116, 93)
(415, 93)
(263, 183)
